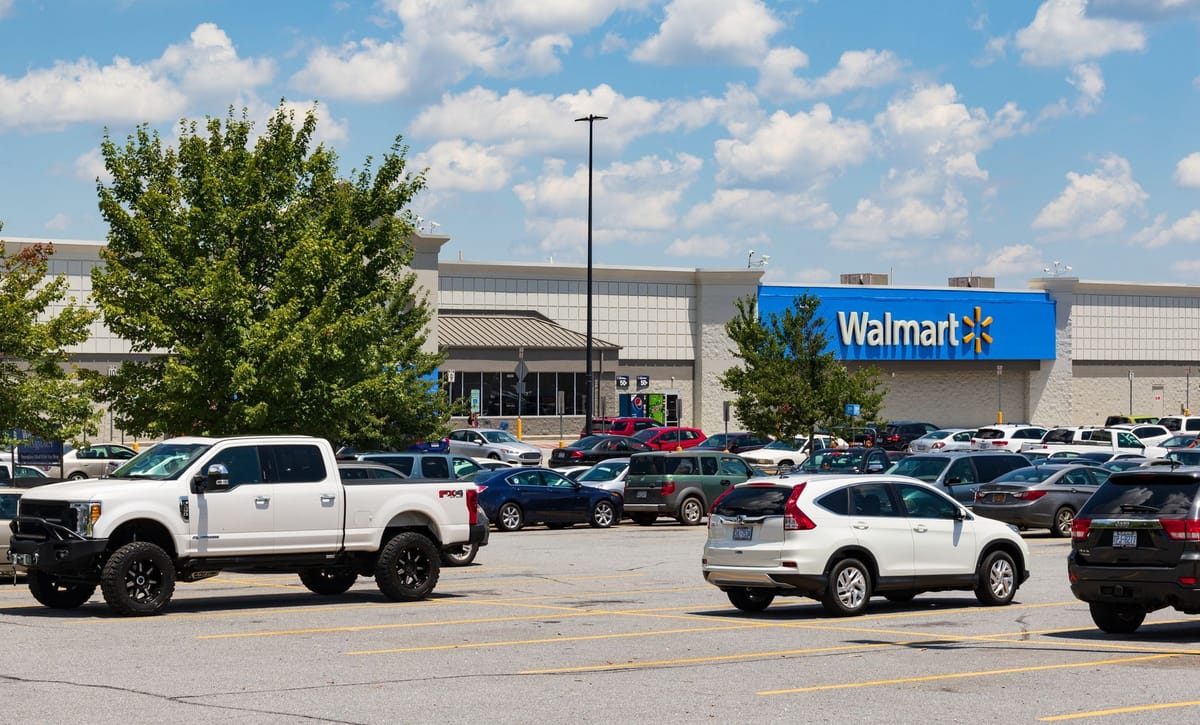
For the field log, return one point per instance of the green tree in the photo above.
(788, 383)
(39, 393)
(267, 294)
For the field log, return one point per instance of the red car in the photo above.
(626, 426)
(671, 437)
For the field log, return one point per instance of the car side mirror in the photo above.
(216, 479)
(960, 514)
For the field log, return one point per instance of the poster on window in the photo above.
(657, 408)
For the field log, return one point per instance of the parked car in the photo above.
(1180, 440)
(8, 509)
(1134, 547)
(855, 459)
(669, 438)
(784, 452)
(517, 497)
(426, 466)
(494, 443)
(843, 539)
(1112, 420)
(1150, 434)
(1125, 464)
(593, 449)
(621, 426)
(959, 473)
(1045, 496)
(899, 433)
(734, 442)
(491, 464)
(1181, 423)
(608, 475)
(92, 461)
(682, 484)
(1007, 437)
(945, 439)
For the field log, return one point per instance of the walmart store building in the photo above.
(1063, 351)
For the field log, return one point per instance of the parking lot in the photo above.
(589, 625)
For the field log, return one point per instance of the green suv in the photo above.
(682, 484)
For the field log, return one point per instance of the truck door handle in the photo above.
(262, 500)
(328, 498)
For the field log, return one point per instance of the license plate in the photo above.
(21, 559)
(1124, 540)
(742, 533)
(997, 497)
(640, 494)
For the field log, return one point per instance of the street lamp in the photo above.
(591, 119)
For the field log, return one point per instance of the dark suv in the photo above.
(959, 473)
(1135, 547)
(899, 433)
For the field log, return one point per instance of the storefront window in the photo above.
(498, 393)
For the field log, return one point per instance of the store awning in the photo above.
(510, 329)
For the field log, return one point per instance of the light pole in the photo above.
(999, 395)
(591, 119)
(1131, 395)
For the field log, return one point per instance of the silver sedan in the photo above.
(1043, 496)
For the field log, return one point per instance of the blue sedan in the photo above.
(517, 496)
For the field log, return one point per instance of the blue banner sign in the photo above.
(890, 323)
(37, 452)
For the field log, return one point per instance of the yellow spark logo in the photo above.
(977, 334)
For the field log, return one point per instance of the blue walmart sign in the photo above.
(889, 323)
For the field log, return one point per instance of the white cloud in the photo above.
(6, 7)
(443, 42)
(1089, 82)
(700, 246)
(808, 275)
(628, 198)
(1062, 32)
(1015, 259)
(855, 69)
(872, 223)
(708, 31)
(1157, 235)
(84, 91)
(1187, 171)
(787, 147)
(208, 65)
(58, 223)
(89, 167)
(462, 166)
(742, 208)
(1094, 204)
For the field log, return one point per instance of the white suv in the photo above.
(1006, 437)
(844, 539)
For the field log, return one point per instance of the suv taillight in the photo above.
(473, 505)
(1181, 529)
(1080, 528)
(668, 488)
(793, 518)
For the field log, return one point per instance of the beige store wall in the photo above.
(956, 399)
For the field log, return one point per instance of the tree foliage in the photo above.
(38, 392)
(266, 294)
(788, 383)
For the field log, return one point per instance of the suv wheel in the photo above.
(849, 588)
(996, 579)
(1117, 618)
(751, 599)
(691, 511)
(1063, 518)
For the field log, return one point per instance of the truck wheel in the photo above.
(604, 514)
(459, 555)
(510, 517)
(328, 582)
(408, 567)
(55, 594)
(138, 579)
(691, 511)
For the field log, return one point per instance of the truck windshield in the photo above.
(163, 462)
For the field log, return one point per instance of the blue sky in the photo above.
(922, 139)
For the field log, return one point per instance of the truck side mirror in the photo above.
(216, 479)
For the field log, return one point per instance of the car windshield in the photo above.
(833, 460)
(603, 472)
(784, 445)
(922, 468)
(163, 462)
(1029, 474)
(499, 436)
(937, 435)
(718, 441)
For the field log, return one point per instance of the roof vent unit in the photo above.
(973, 281)
(865, 278)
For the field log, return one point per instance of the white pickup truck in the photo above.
(1114, 440)
(187, 508)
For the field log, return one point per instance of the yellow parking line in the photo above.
(546, 640)
(960, 675)
(1119, 711)
(717, 658)
(372, 627)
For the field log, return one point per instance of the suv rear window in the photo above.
(1157, 495)
(988, 434)
(753, 501)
